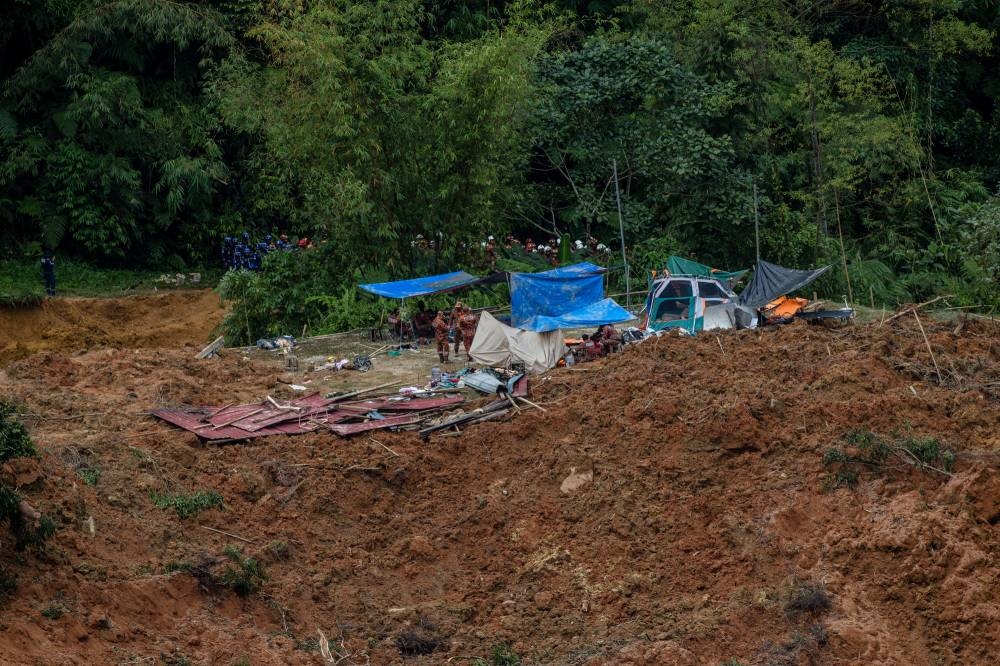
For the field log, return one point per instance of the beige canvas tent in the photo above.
(496, 344)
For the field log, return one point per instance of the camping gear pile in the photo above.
(692, 297)
(310, 413)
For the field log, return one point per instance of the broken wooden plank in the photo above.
(212, 349)
(348, 429)
(338, 398)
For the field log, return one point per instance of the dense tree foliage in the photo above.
(141, 131)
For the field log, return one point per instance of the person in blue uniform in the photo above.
(228, 246)
(49, 272)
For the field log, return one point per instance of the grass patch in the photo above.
(807, 597)
(866, 450)
(278, 550)
(501, 654)
(246, 577)
(14, 439)
(23, 285)
(187, 505)
(8, 582)
(54, 611)
(173, 567)
(90, 475)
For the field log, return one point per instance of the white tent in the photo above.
(498, 344)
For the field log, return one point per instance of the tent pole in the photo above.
(756, 222)
(621, 231)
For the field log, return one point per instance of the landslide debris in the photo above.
(672, 505)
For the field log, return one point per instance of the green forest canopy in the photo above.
(139, 132)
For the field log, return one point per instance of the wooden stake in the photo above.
(931, 351)
(528, 402)
(384, 446)
(338, 398)
(228, 534)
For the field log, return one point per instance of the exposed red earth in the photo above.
(671, 506)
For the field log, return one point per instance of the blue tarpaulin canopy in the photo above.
(605, 311)
(555, 292)
(432, 284)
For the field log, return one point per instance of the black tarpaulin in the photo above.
(771, 280)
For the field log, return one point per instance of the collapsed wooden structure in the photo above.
(309, 413)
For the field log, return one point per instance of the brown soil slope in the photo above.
(670, 507)
(69, 324)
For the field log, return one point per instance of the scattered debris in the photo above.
(278, 343)
(306, 414)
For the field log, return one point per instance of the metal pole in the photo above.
(621, 230)
(756, 222)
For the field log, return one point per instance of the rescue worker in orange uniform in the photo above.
(441, 335)
(467, 327)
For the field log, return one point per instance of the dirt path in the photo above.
(672, 506)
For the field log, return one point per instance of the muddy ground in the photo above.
(671, 506)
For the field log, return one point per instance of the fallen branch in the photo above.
(228, 534)
(74, 417)
(913, 309)
(384, 446)
(920, 464)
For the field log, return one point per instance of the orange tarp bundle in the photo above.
(784, 307)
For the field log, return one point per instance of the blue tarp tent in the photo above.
(555, 292)
(605, 311)
(424, 286)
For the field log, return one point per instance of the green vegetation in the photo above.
(807, 597)
(8, 582)
(54, 611)
(501, 654)
(134, 134)
(174, 659)
(14, 439)
(867, 450)
(187, 505)
(246, 577)
(278, 550)
(22, 278)
(90, 475)
(28, 531)
(172, 567)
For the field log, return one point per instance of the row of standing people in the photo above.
(549, 249)
(240, 252)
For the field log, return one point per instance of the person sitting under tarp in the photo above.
(608, 337)
(398, 325)
(423, 322)
(588, 350)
